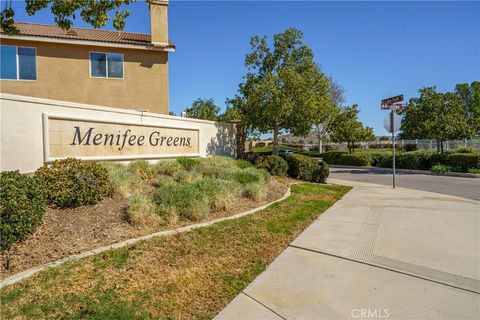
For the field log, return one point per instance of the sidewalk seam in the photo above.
(269, 309)
(386, 268)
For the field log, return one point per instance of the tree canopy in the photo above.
(347, 128)
(435, 115)
(205, 109)
(278, 91)
(470, 97)
(93, 12)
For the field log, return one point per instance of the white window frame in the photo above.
(18, 66)
(106, 65)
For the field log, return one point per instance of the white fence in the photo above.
(407, 145)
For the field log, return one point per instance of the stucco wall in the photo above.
(22, 141)
(63, 73)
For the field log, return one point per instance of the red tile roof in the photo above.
(82, 34)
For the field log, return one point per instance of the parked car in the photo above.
(285, 151)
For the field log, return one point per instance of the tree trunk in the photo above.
(320, 146)
(275, 140)
(441, 146)
(438, 146)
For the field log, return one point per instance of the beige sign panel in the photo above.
(99, 140)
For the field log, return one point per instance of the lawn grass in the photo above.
(189, 276)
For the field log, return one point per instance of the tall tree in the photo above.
(435, 115)
(93, 12)
(278, 90)
(205, 109)
(347, 128)
(470, 97)
(337, 93)
(328, 98)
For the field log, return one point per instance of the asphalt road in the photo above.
(461, 187)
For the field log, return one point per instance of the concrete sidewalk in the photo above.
(377, 253)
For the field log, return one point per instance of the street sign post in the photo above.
(392, 123)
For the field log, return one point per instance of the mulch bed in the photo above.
(65, 232)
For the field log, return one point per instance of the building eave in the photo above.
(165, 47)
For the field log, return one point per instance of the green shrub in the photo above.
(141, 212)
(184, 200)
(275, 165)
(301, 167)
(72, 182)
(243, 164)
(463, 161)
(466, 150)
(188, 163)
(349, 159)
(410, 147)
(142, 169)
(474, 170)
(332, 157)
(22, 205)
(440, 169)
(321, 173)
(383, 160)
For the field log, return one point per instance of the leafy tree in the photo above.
(470, 97)
(205, 109)
(435, 115)
(93, 12)
(347, 128)
(278, 93)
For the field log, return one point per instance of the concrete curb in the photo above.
(389, 170)
(30, 272)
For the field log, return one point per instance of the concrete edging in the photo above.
(389, 170)
(30, 272)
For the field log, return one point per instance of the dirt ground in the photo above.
(70, 231)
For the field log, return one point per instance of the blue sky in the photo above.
(373, 49)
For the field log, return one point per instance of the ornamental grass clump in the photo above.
(142, 169)
(142, 212)
(184, 200)
(188, 163)
(255, 191)
(221, 194)
(167, 167)
(123, 182)
(72, 182)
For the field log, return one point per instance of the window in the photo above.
(106, 65)
(18, 63)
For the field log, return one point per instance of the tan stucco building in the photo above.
(106, 68)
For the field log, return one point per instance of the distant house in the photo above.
(107, 68)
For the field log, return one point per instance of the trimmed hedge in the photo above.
(22, 205)
(464, 161)
(306, 168)
(273, 164)
(426, 160)
(72, 182)
(341, 157)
